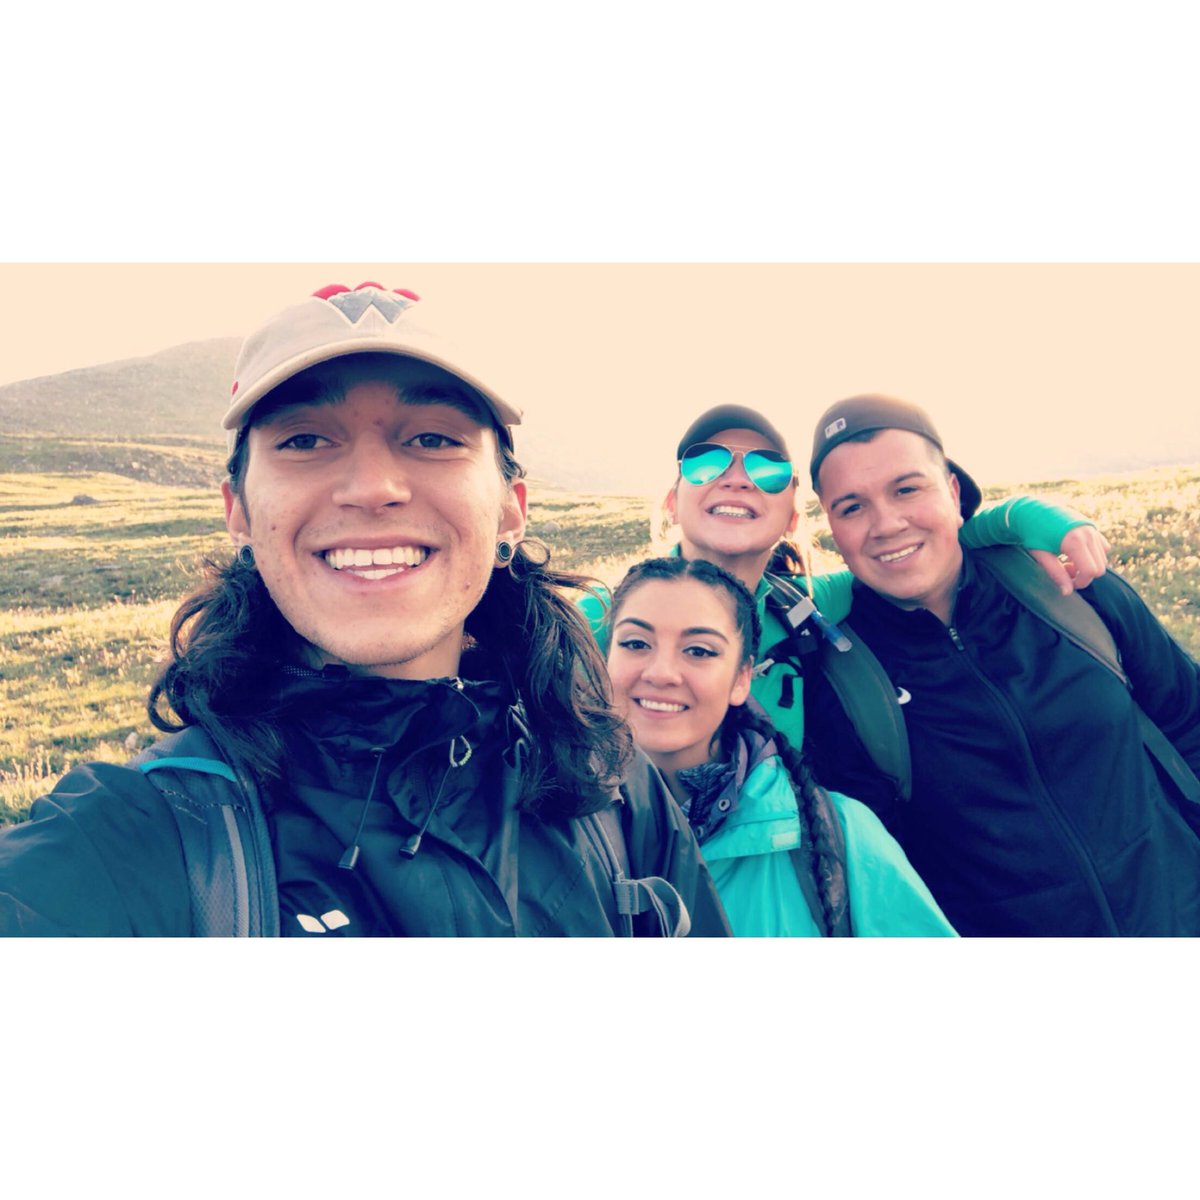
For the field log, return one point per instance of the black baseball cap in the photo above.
(861, 414)
(730, 416)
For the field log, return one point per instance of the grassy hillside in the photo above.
(92, 563)
(183, 390)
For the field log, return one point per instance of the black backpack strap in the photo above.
(1162, 750)
(1083, 626)
(863, 688)
(223, 832)
(650, 894)
(801, 619)
(868, 698)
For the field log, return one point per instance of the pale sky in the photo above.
(1030, 371)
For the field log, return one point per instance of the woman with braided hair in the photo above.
(789, 858)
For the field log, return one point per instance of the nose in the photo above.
(373, 476)
(735, 474)
(660, 670)
(887, 519)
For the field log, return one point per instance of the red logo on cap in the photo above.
(335, 289)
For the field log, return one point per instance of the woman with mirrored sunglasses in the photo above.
(735, 503)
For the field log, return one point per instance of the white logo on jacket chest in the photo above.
(333, 919)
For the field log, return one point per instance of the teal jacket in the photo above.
(749, 862)
(1023, 521)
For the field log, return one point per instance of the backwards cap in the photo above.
(863, 414)
(337, 321)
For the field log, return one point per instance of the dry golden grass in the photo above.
(87, 590)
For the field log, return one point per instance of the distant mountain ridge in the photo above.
(182, 390)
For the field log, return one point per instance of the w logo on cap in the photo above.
(352, 304)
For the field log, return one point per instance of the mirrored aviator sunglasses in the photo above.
(768, 470)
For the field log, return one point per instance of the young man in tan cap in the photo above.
(1044, 797)
(392, 721)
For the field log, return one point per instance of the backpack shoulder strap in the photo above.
(868, 698)
(1071, 615)
(863, 688)
(223, 832)
(800, 615)
(1083, 626)
(650, 894)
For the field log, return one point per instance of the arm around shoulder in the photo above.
(1021, 521)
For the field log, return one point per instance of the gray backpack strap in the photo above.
(1071, 615)
(223, 832)
(1083, 626)
(650, 894)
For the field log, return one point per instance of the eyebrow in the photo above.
(430, 395)
(422, 396)
(891, 483)
(690, 632)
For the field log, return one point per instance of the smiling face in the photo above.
(729, 521)
(374, 510)
(677, 664)
(893, 510)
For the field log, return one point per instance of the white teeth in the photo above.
(729, 510)
(887, 558)
(397, 556)
(659, 706)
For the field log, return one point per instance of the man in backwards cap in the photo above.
(1035, 806)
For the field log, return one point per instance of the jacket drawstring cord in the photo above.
(349, 859)
(410, 848)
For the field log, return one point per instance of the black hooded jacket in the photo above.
(422, 779)
(1035, 808)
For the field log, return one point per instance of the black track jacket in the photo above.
(445, 848)
(1035, 807)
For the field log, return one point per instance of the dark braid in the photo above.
(812, 800)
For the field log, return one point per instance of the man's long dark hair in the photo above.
(228, 640)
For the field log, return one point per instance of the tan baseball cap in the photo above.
(337, 321)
